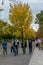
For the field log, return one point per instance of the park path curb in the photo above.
(37, 57)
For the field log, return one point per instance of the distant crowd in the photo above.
(15, 45)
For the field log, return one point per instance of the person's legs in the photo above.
(39, 46)
(6, 51)
(14, 50)
(3, 51)
(11, 49)
(17, 50)
(23, 50)
(30, 50)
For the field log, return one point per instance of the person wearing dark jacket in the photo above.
(30, 46)
(4, 44)
(17, 45)
(14, 47)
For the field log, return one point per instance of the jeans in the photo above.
(15, 51)
(30, 50)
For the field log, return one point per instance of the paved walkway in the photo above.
(37, 57)
(10, 59)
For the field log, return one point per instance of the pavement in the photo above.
(10, 59)
(37, 57)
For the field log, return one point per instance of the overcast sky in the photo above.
(35, 5)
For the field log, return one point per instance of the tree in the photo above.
(30, 33)
(2, 24)
(6, 30)
(39, 20)
(20, 16)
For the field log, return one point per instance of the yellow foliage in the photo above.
(20, 13)
(29, 33)
(20, 16)
(17, 33)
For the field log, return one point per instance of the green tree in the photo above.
(39, 20)
(2, 25)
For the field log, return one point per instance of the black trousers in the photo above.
(24, 50)
(12, 49)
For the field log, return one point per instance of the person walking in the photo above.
(12, 45)
(36, 42)
(39, 40)
(24, 45)
(4, 44)
(30, 46)
(17, 45)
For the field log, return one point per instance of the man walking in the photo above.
(30, 46)
(17, 45)
(4, 44)
(12, 45)
(24, 45)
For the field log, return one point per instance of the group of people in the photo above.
(15, 45)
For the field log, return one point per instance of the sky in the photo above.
(35, 5)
